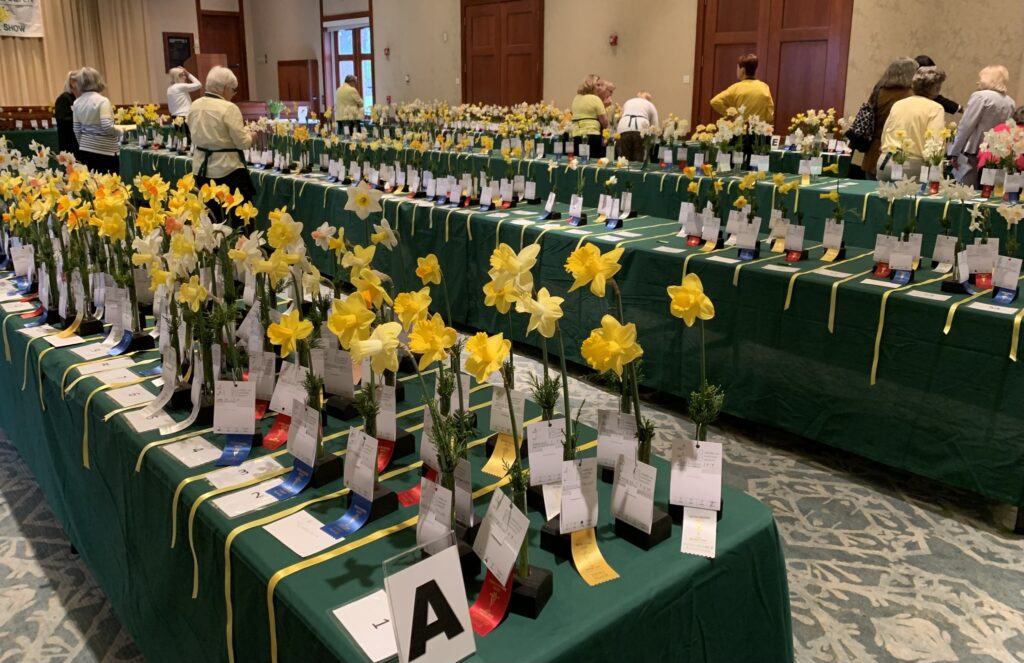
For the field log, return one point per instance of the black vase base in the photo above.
(53, 318)
(341, 407)
(535, 498)
(467, 534)
(405, 444)
(182, 397)
(952, 286)
(661, 529)
(532, 593)
(407, 365)
(675, 511)
(469, 562)
(492, 442)
(142, 342)
(90, 327)
(553, 541)
(328, 470)
(608, 474)
(205, 416)
(385, 502)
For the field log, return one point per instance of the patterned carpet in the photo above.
(882, 566)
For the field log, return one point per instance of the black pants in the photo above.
(594, 141)
(101, 163)
(631, 146)
(188, 133)
(236, 179)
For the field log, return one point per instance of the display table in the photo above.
(803, 347)
(20, 139)
(123, 510)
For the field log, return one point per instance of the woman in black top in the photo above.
(66, 141)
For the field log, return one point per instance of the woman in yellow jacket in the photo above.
(748, 92)
(589, 117)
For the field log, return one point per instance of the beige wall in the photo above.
(280, 31)
(655, 51)
(948, 31)
(334, 7)
(425, 42)
(165, 16)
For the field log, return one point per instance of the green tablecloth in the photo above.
(942, 405)
(119, 516)
(20, 140)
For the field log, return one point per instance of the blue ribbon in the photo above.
(122, 346)
(294, 483)
(23, 284)
(746, 255)
(356, 516)
(150, 372)
(236, 450)
(39, 320)
(901, 276)
(1004, 296)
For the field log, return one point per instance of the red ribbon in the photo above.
(385, 449)
(491, 605)
(28, 298)
(261, 408)
(34, 314)
(412, 495)
(278, 433)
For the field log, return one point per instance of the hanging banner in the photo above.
(21, 18)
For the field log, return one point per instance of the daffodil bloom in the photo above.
(289, 332)
(428, 269)
(381, 348)
(337, 244)
(277, 214)
(545, 312)
(284, 232)
(350, 320)
(718, 186)
(246, 212)
(160, 277)
(146, 249)
(363, 200)
(367, 282)
(831, 168)
(192, 293)
(411, 307)
(383, 234)
(359, 257)
(707, 168)
(486, 354)
(788, 186)
(778, 179)
(247, 250)
(689, 301)
(508, 265)
(149, 219)
(740, 202)
(587, 265)
(322, 235)
(277, 267)
(502, 295)
(693, 187)
(832, 195)
(612, 346)
(431, 339)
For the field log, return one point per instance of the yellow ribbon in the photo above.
(881, 320)
(73, 327)
(85, 412)
(160, 443)
(832, 297)
(85, 363)
(28, 346)
(39, 374)
(75, 382)
(7, 343)
(1015, 340)
(792, 279)
(954, 307)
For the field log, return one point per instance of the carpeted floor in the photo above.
(882, 566)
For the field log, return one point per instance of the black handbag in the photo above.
(862, 128)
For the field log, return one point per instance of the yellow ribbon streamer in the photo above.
(169, 440)
(954, 307)
(39, 374)
(881, 320)
(73, 327)
(589, 561)
(85, 412)
(28, 346)
(72, 367)
(7, 343)
(832, 297)
(1015, 340)
(792, 279)
(75, 382)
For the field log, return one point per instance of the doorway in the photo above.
(502, 51)
(224, 32)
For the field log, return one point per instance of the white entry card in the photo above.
(500, 420)
(616, 436)
(387, 418)
(696, 479)
(361, 463)
(500, 536)
(303, 433)
(545, 441)
(633, 493)
(579, 495)
(234, 408)
(1007, 272)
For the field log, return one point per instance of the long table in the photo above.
(911, 377)
(257, 601)
(20, 139)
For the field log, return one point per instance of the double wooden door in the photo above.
(802, 46)
(502, 51)
(224, 32)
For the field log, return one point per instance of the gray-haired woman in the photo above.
(93, 120)
(179, 93)
(910, 121)
(891, 87)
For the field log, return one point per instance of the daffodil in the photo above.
(428, 269)
(486, 354)
(147, 249)
(411, 307)
(507, 265)
(689, 301)
(247, 250)
(612, 346)
(693, 187)
(545, 312)
(160, 277)
(359, 257)
(246, 212)
(277, 267)
(831, 168)
(832, 195)
(381, 348)
(322, 236)
(431, 339)
(740, 202)
(367, 282)
(383, 234)
(363, 200)
(284, 232)
(502, 295)
(192, 293)
(587, 265)
(350, 320)
(289, 332)
(337, 244)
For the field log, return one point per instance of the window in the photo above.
(351, 52)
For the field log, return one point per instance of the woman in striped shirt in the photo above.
(98, 138)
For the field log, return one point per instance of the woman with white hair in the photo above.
(93, 120)
(219, 135)
(986, 108)
(64, 118)
(638, 114)
(910, 120)
(179, 94)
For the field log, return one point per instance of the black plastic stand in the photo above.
(329, 469)
(90, 327)
(385, 502)
(675, 511)
(532, 593)
(661, 529)
(341, 408)
(553, 541)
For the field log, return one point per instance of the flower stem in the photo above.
(570, 447)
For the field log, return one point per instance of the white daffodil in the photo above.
(622, 162)
(611, 181)
(247, 250)
(1012, 213)
(552, 165)
(573, 163)
(147, 249)
(976, 218)
(363, 200)
(323, 235)
(383, 234)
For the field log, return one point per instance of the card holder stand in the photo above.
(532, 593)
(205, 418)
(982, 281)
(469, 562)
(467, 534)
(661, 530)
(181, 399)
(1004, 296)
(952, 286)
(842, 251)
(492, 441)
(405, 444)
(385, 502)
(532, 201)
(141, 342)
(328, 469)
(508, 204)
(51, 318)
(903, 276)
(407, 365)
(551, 216)
(341, 407)
(675, 511)
(608, 474)
(535, 498)
(554, 542)
(613, 224)
(693, 240)
(578, 221)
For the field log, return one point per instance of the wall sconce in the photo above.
(387, 51)
(613, 40)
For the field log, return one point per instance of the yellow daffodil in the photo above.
(689, 301)
(337, 244)
(502, 295)
(148, 219)
(284, 232)
(545, 312)
(788, 186)
(428, 269)
(192, 293)
(431, 339)
(708, 169)
(246, 212)
(693, 187)
(289, 332)
(718, 186)
(832, 195)
(831, 168)
(486, 354)
(587, 265)
(368, 285)
(690, 171)
(778, 179)
(381, 348)
(359, 257)
(740, 202)
(612, 346)
(410, 307)
(160, 277)
(350, 320)
(507, 265)
(277, 267)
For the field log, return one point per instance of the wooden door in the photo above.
(502, 51)
(224, 32)
(802, 46)
(297, 80)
